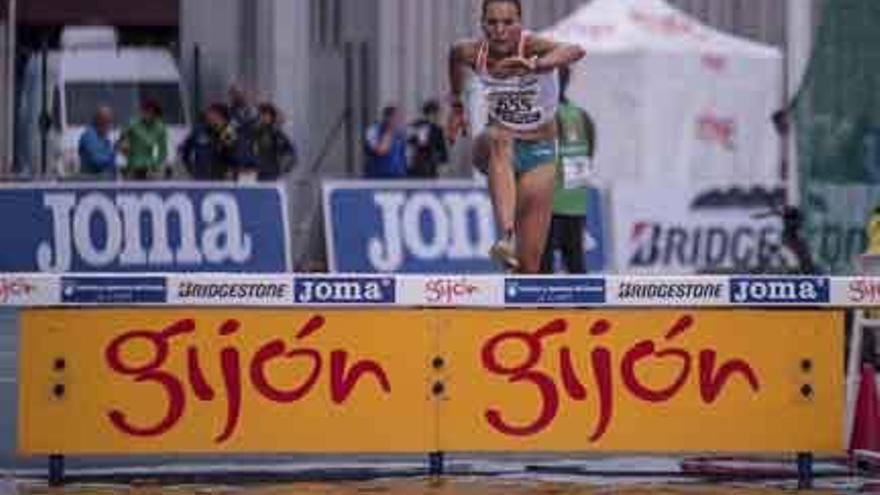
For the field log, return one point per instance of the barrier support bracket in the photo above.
(806, 475)
(56, 470)
(436, 464)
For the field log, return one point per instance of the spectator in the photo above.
(145, 143)
(386, 147)
(96, 153)
(428, 143)
(274, 152)
(577, 147)
(242, 114)
(211, 150)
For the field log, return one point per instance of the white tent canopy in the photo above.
(674, 101)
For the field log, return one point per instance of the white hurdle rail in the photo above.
(449, 290)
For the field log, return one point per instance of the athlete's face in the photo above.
(502, 26)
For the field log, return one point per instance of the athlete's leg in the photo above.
(534, 209)
(494, 155)
(502, 181)
(481, 151)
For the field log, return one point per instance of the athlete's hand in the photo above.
(456, 124)
(514, 66)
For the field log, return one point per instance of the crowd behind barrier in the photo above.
(238, 140)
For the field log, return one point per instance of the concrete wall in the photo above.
(213, 26)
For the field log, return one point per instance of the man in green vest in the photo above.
(577, 147)
(145, 143)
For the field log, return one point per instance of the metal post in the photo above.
(56, 470)
(805, 471)
(349, 110)
(197, 81)
(798, 48)
(45, 118)
(11, 46)
(365, 95)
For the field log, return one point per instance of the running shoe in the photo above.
(504, 252)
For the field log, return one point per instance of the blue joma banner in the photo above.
(420, 227)
(150, 228)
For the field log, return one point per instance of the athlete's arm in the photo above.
(462, 56)
(551, 55)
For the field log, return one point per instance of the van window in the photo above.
(83, 98)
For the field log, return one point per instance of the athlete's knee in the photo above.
(499, 138)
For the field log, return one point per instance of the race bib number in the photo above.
(578, 172)
(515, 107)
(515, 103)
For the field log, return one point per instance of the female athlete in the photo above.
(516, 80)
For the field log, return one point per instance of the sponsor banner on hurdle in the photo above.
(489, 291)
(856, 292)
(138, 228)
(344, 291)
(450, 290)
(668, 291)
(224, 290)
(785, 291)
(29, 290)
(425, 227)
(189, 380)
(554, 291)
(113, 290)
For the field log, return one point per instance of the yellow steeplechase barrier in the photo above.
(398, 380)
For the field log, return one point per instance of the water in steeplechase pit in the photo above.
(533, 476)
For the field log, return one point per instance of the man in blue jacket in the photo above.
(97, 155)
(386, 147)
(213, 150)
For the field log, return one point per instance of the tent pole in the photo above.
(798, 46)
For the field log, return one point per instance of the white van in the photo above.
(92, 70)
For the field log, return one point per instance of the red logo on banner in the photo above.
(711, 379)
(448, 290)
(669, 24)
(236, 370)
(11, 288)
(713, 128)
(864, 291)
(597, 32)
(714, 62)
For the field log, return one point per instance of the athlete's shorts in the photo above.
(529, 155)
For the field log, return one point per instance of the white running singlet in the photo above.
(521, 103)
